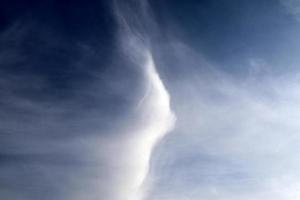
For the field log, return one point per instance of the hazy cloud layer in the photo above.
(89, 91)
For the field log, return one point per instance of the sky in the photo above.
(149, 99)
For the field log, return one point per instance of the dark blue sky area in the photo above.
(230, 33)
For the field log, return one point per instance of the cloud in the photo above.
(293, 7)
(74, 126)
(235, 138)
(90, 125)
(153, 115)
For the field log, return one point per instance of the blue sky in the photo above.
(149, 100)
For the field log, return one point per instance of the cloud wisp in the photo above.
(152, 117)
(234, 138)
(156, 119)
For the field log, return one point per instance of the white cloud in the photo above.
(128, 155)
(234, 139)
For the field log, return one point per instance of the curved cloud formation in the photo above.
(156, 119)
(153, 117)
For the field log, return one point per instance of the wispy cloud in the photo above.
(292, 7)
(83, 118)
(96, 140)
(234, 138)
